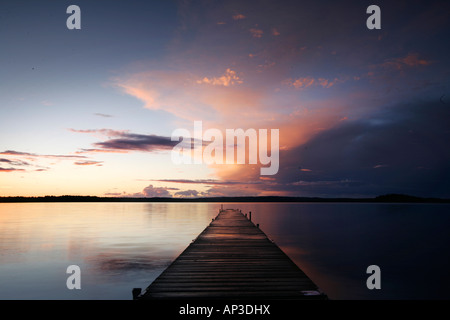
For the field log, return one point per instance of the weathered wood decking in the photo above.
(232, 259)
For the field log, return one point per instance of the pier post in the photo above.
(136, 292)
(250, 215)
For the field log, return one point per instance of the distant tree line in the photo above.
(389, 198)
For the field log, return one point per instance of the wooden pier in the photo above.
(232, 259)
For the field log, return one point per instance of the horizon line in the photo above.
(399, 198)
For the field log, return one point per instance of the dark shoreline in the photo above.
(390, 198)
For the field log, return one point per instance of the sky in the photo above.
(360, 112)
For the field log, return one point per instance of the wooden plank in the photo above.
(232, 258)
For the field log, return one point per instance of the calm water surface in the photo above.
(119, 246)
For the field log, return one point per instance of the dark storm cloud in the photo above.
(124, 141)
(138, 142)
(402, 149)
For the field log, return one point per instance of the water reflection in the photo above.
(124, 245)
(119, 246)
(339, 241)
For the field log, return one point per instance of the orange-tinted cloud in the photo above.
(175, 92)
(10, 169)
(306, 82)
(256, 33)
(88, 163)
(222, 104)
(327, 83)
(150, 97)
(238, 16)
(199, 181)
(228, 79)
(214, 100)
(410, 60)
(301, 83)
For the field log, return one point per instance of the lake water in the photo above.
(120, 246)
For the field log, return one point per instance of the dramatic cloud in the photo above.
(311, 70)
(403, 149)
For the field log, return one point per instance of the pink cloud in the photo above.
(413, 60)
(151, 192)
(301, 82)
(238, 16)
(88, 163)
(256, 33)
(410, 60)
